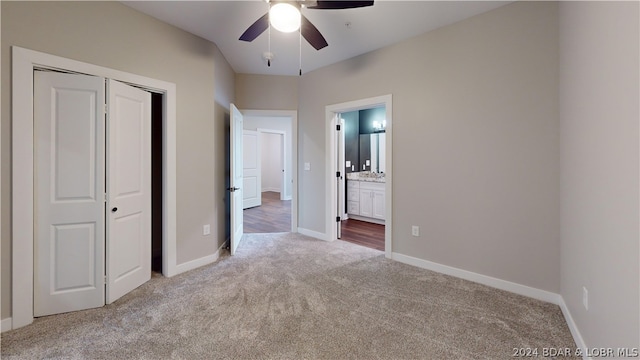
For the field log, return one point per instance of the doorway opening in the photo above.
(359, 184)
(156, 181)
(361, 196)
(270, 179)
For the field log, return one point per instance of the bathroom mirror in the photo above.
(372, 152)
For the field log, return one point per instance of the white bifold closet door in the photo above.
(128, 222)
(92, 199)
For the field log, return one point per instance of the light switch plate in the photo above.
(585, 298)
(206, 229)
(307, 166)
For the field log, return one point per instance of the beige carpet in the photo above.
(286, 296)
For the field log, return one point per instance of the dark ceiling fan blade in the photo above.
(337, 5)
(256, 28)
(311, 34)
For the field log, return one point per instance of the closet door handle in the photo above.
(114, 209)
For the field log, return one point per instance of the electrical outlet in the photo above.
(585, 298)
(415, 230)
(206, 229)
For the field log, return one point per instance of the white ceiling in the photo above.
(384, 23)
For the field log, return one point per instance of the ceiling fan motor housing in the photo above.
(308, 31)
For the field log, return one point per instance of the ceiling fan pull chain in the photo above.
(269, 59)
(300, 48)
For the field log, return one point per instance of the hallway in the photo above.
(274, 215)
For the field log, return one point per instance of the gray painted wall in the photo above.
(476, 152)
(599, 114)
(503, 186)
(266, 92)
(115, 36)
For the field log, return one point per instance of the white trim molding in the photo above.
(206, 260)
(519, 289)
(577, 337)
(505, 285)
(23, 64)
(313, 234)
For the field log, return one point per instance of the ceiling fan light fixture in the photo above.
(285, 17)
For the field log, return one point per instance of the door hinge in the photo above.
(105, 280)
(337, 218)
(338, 127)
(337, 174)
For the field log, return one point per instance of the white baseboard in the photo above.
(519, 289)
(265, 189)
(479, 278)
(313, 234)
(190, 265)
(577, 337)
(6, 324)
(367, 219)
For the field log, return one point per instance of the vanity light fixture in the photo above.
(379, 126)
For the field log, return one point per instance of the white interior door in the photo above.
(236, 178)
(69, 202)
(342, 179)
(339, 167)
(128, 188)
(281, 162)
(252, 182)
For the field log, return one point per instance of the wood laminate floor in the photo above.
(274, 215)
(363, 233)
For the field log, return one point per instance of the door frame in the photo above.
(293, 114)
(283, 156)
(331, 112)
(24, 62)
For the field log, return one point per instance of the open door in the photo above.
(128, 189)
(235, 188)
(340, 193)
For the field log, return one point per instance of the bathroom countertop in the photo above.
(367, 176)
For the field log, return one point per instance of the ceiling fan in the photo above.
(307, 29)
